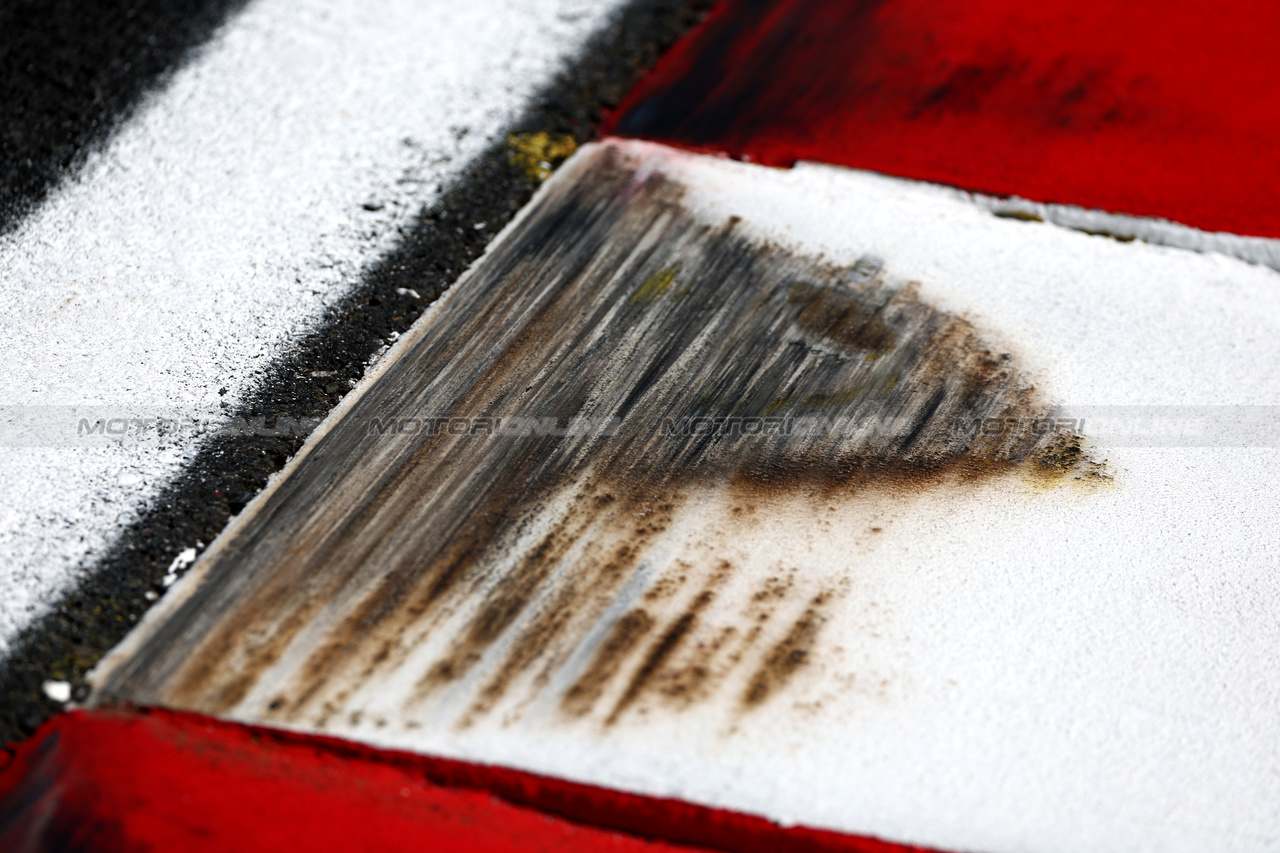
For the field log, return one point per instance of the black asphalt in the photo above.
(230, 469)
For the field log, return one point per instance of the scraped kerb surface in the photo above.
(550, 504)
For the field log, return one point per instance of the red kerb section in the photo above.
(125, 781)
(1168, 109)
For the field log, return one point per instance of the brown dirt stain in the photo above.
(789, 655)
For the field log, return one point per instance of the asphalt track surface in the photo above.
(70, 86)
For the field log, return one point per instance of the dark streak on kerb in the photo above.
(789, 655)
(670, 642)
(420, 554)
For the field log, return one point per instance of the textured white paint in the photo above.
(217, 224)
(1009, 668)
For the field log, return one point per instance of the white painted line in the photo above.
(218, 224)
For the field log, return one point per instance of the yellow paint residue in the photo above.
(536, 154)
(881, 387)
(656, 287)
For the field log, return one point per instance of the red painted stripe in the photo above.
(117, 781)
(1151, 107)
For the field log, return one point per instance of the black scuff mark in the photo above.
(904, 396)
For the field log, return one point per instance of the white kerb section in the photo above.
(1015, 668)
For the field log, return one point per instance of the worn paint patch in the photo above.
(549, 501)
